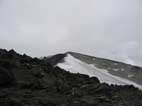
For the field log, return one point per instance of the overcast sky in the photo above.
(105, 28)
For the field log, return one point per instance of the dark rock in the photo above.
(136, 69)
(2, 52)
(27, 81)
(53, 60)
(6, 77)
(104, 88)
(94, 80)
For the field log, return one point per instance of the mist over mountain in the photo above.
(71, 53)
(109, 29)
(27, 81)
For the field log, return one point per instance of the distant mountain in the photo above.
(108, 71)
(27, 81)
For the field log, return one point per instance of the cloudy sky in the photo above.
(105, 28)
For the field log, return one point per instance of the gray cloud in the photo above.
(105, 28)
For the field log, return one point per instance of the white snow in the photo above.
(115, 64)
(116, 69)
(122, 69)
(130, 76)
(93, 59)
(74, 65)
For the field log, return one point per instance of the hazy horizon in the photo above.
(109, 29)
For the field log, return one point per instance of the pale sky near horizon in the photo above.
(105, 28)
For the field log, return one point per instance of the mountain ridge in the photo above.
(115, 69)
(70, 52)
(27, 81)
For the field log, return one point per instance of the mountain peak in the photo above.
(112, 72)
(26, 81)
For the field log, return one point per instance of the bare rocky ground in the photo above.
(26, 81)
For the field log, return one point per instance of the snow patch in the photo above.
(130, 76)
(115, 64)
(122, 69)
(74, 65)
(116, 69)
(93, 59)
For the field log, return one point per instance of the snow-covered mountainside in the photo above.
(27, 81)
(107, 71)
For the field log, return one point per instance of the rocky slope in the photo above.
(127, 71)
(75, 65)
(26, 81)
(108, 71)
